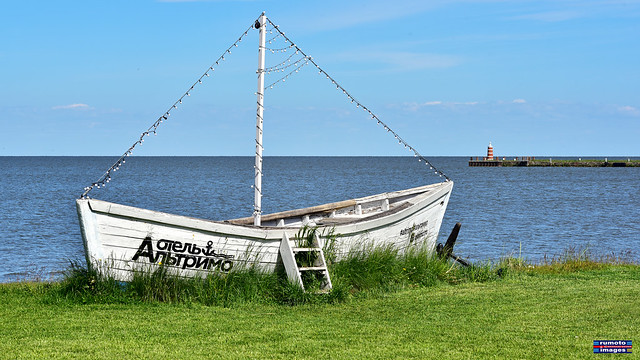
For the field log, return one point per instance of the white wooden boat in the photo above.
(122, 238)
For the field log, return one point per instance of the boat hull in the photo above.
(121, 239)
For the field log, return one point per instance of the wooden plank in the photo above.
(451, 240)
(313, 268)
(297, 212)
(132, 228)
(124, 269)
(107, 229)
(175, 220)
(122, 237)
(302, 249)
(328, 208)
(123, 246)
(323, 261)
(289, 261)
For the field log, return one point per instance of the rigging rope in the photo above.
(281, 67)
(297, 69)
(298, 64)
(106, 177)
(352, 99)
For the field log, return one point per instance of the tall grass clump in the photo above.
(87, 285)
(571, 259)
(582, 258)
(382, 269)
(241, 286)
(364, 271)
(82, 284)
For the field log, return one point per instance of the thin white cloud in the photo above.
(554, 111)
(414, 106)
(519, 101)
(359, 13)
(552, 16)
(72, 107)
(629, 110)
(184, 1)
(558, 11)
(414, 61)
(401, 60)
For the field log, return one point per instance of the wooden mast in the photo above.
(257, 207)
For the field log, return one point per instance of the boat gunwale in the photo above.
(260, 232)
(326, 208)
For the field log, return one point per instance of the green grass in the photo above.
(525, 315)
(437, 310)
(366, 271)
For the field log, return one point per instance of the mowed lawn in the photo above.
(528, 314)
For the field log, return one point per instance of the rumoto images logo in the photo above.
(612, 346)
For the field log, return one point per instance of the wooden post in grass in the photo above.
(446, 250)
(451, 240)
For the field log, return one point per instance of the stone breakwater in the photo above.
(550, 162)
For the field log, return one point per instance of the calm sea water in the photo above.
(531, 212)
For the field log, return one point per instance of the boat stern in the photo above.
(89, 231)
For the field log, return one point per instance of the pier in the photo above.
(550, 162)
(484, 162)
(496, 161)
(509, 161)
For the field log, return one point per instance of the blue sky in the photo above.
(533, 77)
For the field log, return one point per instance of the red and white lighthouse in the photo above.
(490, 152)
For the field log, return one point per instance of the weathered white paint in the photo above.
(114, 233)
(289, 261)
(288, 251)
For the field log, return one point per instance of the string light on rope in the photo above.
(282, 68)
(354, 100)
(284, 78)
(106, 177)
(298, 64)
(284, 49)
(273, 38)
(280, 65)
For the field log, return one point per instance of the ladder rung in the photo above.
(290, 259)
(322, 291)
(313, 268)
(304, 249)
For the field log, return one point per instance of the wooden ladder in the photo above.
(293, 258)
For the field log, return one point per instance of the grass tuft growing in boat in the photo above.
(368, 271)
(88, 285)
(365, 272)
